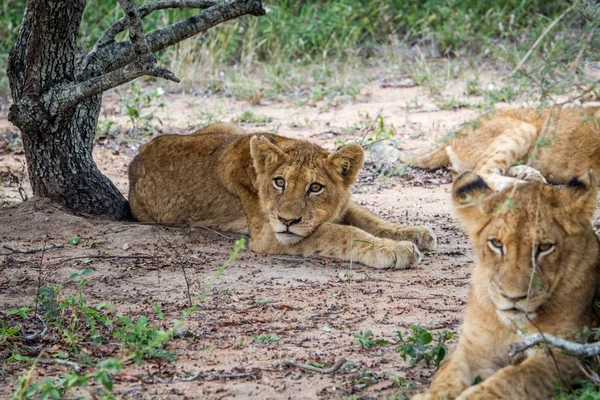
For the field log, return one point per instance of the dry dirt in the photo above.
(313, 304)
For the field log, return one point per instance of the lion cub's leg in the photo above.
(512, 145)
(534, 379)
(362, 218)
(453, 377)
(353, 244)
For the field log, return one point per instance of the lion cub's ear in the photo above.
(264, 153)
(468, 191)
(578, 199)
(348, 161)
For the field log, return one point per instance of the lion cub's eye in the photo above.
(279, 183)
(496, 245)
(315, 188)
(544, 248)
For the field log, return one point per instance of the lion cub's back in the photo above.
(175, 178)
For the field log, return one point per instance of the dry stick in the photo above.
(338, 364)
(59, 361)
(539, 39)
(584, 350)
(143, 257)
(577, 61)
(39, 284)
(580, 95)
(211, 377)
(187, 283)
(533, 276)
(12, 250)
(366, 132)
(541, 137)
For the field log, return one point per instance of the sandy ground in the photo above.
(314, 305)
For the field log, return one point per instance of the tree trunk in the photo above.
(59, 145)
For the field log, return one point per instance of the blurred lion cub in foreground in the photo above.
(537, 267)
(291, 195)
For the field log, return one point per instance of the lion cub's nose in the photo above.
(289, 222)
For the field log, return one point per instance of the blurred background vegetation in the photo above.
(326, 38)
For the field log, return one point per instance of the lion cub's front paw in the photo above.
(425, 238)
(422, 236)
(526, 173)
(387, 253)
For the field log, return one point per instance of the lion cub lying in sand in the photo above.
(292, 196)
(537, 263)
(557, 145)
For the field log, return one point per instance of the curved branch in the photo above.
(118, 54)
(144, 11)
(584, 350)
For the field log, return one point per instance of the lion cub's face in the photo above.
(301, 186)
(524, 237)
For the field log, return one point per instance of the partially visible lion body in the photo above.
(156, 194)
(559, 145)
(538, 267)
(292, 196)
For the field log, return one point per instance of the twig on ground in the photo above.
(76, 367)
(181, 261)
(585, 350)
(206, 377)
(143, 257)
(12, 250)
(338, 364)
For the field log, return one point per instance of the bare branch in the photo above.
(12, 250)
(145, 60)
(144, 11)
(118, 54)
(584, 350)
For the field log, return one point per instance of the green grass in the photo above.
(318, 36)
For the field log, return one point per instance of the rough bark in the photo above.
(57, 95)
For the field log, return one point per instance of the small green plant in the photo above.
(74, 241)
(473, 87)
(366, 340)
(141, 106)
(421, 345)
(249, 117)
(58, 387)
(451, 103)
(265, 338)
(146, 340)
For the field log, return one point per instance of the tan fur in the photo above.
(223, 179)
(490, 145)
(557, 298)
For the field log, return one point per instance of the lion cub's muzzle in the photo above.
(516, 308)
(290, 230)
